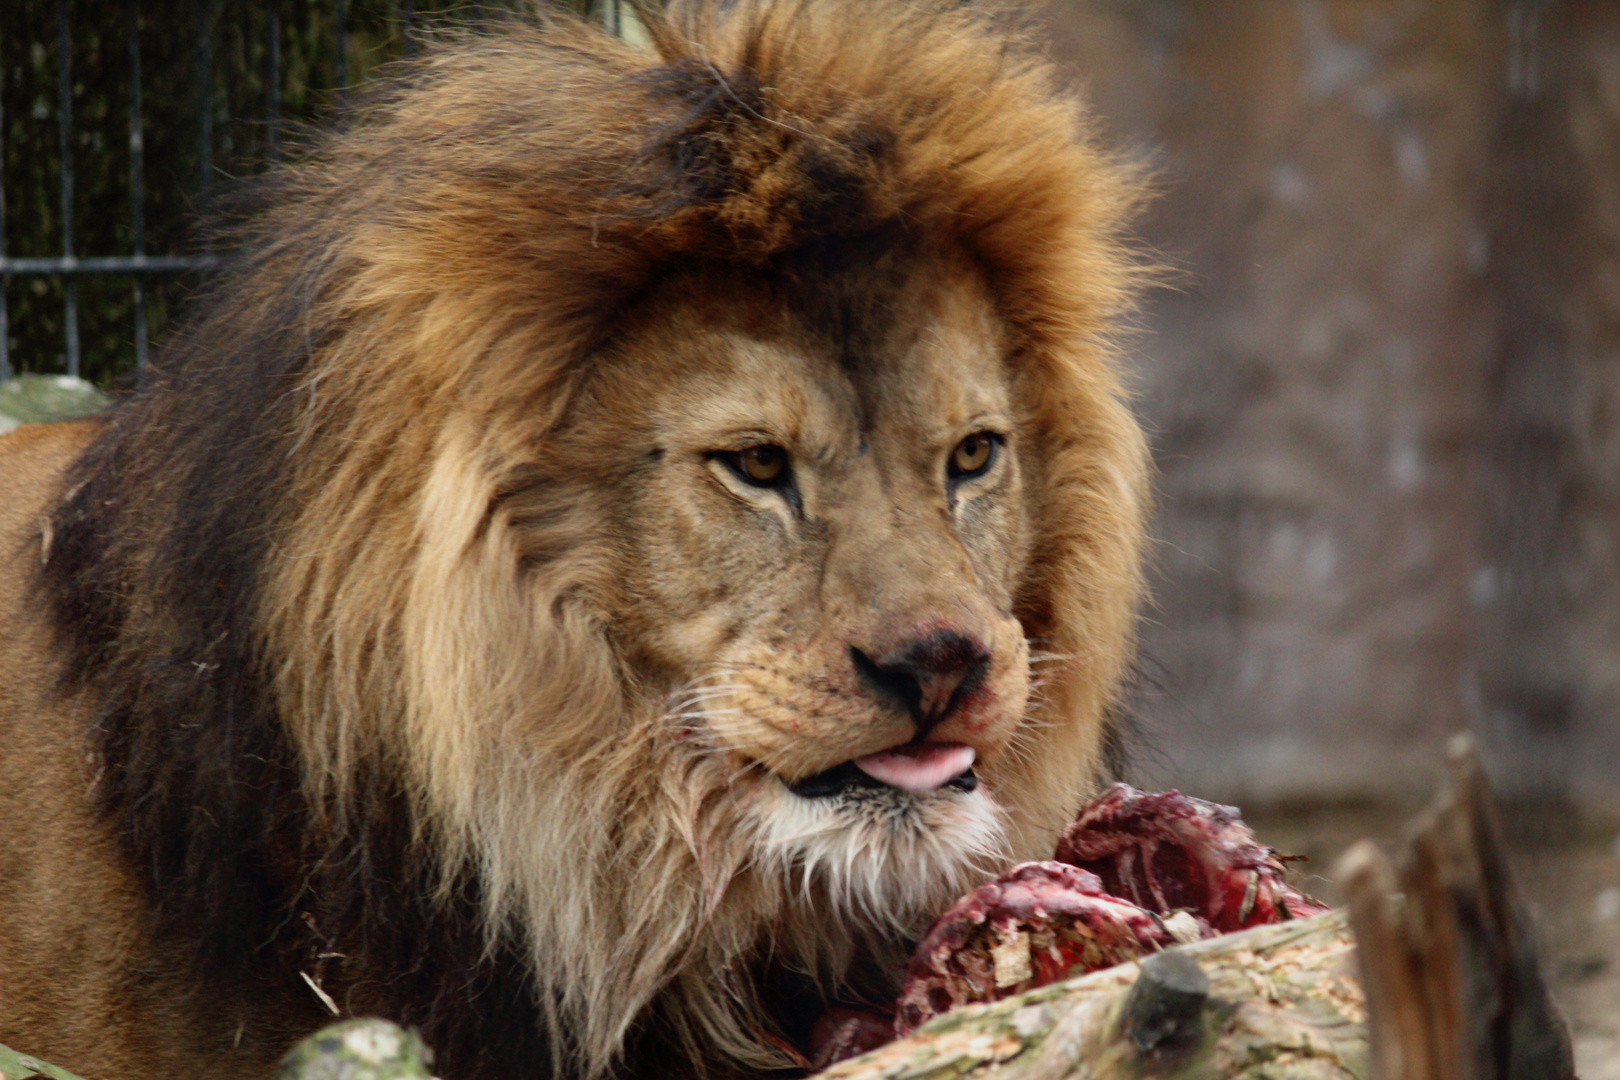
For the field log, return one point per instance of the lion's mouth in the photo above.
(916, 767)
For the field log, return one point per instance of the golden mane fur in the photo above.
(365, 601)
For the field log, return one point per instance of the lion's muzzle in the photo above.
(929, 678)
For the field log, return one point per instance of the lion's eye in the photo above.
(764, 465)
(972, 455)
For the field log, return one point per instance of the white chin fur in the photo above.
(883, 858)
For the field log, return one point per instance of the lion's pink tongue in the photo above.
(918, 766)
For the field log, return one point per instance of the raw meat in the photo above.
(1166, 852)
(1036, 924)
(845, 1031)
(1136, 872)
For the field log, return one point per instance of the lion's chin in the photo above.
(885, 857)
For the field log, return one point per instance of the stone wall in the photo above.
(1383, 385)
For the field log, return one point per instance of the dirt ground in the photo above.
(1568, 872)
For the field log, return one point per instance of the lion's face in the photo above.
(824, 533)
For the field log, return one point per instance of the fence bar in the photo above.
(70, 287)
(407, 14)
(5, 320)
(205, 95)
(73, 266)
(137, 185)
(342, 29)
(272, 30)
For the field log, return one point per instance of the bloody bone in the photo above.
(1034, 925)
(1166, 852)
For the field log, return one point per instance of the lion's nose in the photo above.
(929, 676)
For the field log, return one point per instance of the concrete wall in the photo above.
(1384, 388)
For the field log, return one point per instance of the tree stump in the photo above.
(1453, 984)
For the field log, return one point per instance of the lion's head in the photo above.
(668, 515)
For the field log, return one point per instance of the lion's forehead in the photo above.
(916, 371)
(819, 402)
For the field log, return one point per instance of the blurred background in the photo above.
(1384, 397)
(1383, 383)
(1385, 389)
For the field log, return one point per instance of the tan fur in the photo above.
(79, 977)
(511, 568)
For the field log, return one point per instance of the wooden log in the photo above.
(1274, 1001)
(1270, 1002)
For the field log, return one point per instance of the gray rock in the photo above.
(31, 399)
(358, 1050)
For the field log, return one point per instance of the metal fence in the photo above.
(70, 265)
(40, 26)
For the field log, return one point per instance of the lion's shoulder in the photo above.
(34, 459)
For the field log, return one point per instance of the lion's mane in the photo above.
(340, 729)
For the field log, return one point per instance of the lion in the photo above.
(633, 532)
